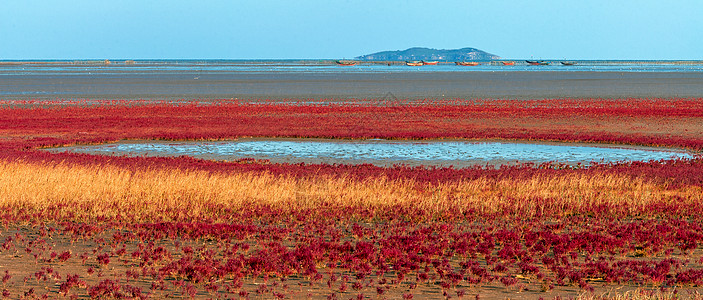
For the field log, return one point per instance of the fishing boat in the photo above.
(430, 63)
(568, 63)
(345, 62)
(508, 63)
(537, 62)
(414, 63)
(466, 63)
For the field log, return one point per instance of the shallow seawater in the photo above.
(386, 152)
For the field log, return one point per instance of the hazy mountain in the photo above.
(419, 53)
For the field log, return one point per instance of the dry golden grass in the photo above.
(642, 294)
(87, 192)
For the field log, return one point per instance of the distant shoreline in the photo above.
(64, 62)
(326, 61)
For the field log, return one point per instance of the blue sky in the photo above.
(261, 29)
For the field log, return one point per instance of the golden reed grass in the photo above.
(89, 192)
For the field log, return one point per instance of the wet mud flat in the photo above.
(440, 153)
(273, 85)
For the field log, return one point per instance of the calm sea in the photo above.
(323, 79)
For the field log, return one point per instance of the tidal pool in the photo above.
(455, 153)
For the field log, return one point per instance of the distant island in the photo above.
(428, 54)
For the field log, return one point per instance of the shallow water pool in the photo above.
(386, 152)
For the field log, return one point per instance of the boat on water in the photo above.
(568, 63)
(414, 63)
(508, 63)
(430, 63)
(537, 62)
(345, 62)
(466, 63)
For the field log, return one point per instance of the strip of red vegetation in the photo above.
(590, 120)
(628, 121)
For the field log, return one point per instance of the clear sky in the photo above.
(261, 29)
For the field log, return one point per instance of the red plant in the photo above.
(370, 250)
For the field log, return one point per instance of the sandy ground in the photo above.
(34, 273)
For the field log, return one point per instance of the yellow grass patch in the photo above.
(87, 192)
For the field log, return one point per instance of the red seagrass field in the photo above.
(86, 225)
